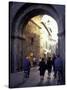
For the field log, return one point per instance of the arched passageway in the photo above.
(40, 37)
(19, 21)
(21, 17)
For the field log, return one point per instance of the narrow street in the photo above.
(34, 79)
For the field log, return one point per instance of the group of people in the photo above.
(45, 65)
(56, 62)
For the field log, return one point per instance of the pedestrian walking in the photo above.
(34, 61)
(26, 67)
(42, 68)
(53, 63)
(49, 66)
(59, 68)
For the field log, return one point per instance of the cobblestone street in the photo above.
(34, 79)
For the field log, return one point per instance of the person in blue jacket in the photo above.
(26, 67)
(59, 68)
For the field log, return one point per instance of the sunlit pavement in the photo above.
(34, 79)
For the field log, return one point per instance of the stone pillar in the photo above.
(15, 54)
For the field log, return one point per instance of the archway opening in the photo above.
(40, 37)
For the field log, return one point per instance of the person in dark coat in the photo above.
(49, 65)
(59, 67)
(53, 63)
(26, 67)
(42, 68)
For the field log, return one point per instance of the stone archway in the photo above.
(19, 21)
(31, 11)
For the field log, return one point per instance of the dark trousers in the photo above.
(59, 74)
(26, 74)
